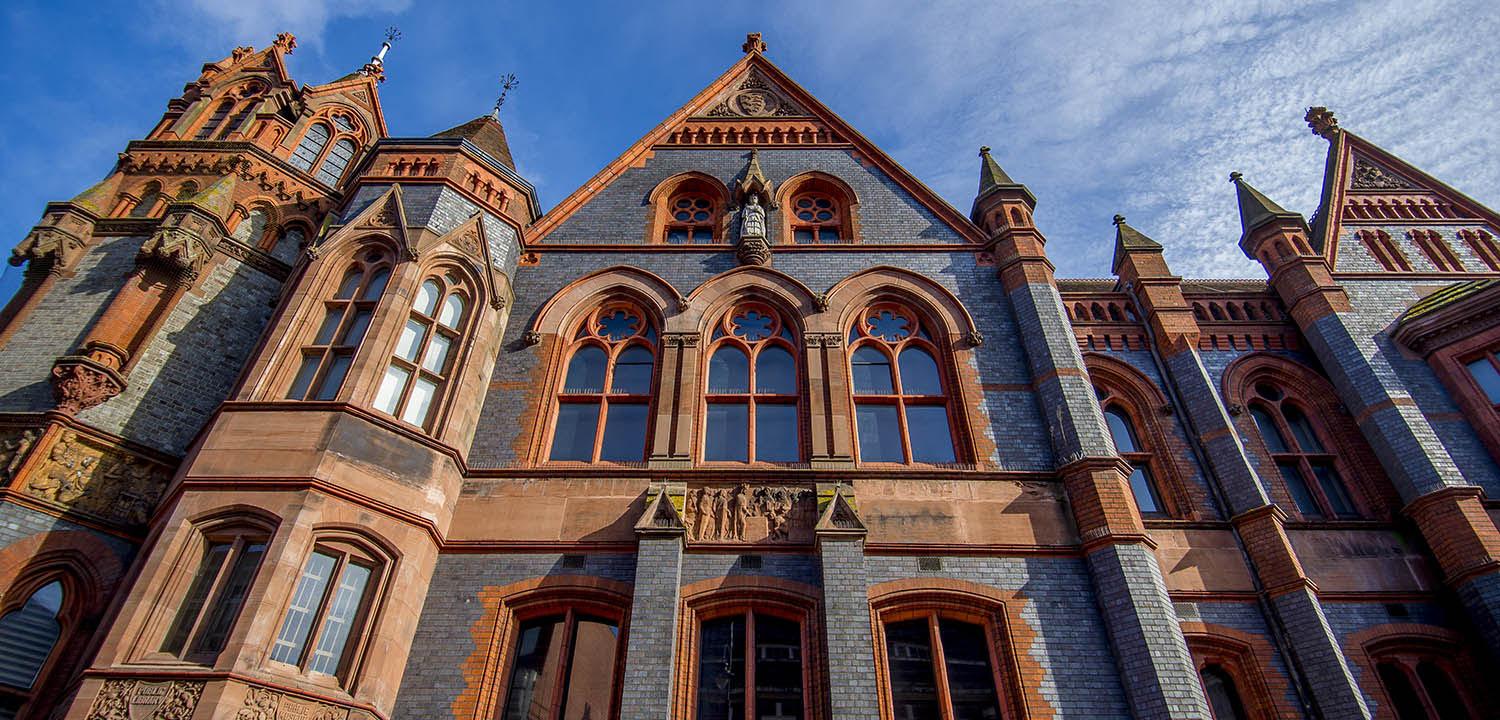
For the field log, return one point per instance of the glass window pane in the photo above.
(427, 297)
(971, 684)
(1223, 698)
(417, 405)
(377, 284)
(355, 331)
(337, 160)
(1301, 429)
(197, 595)
(1144, 491)
(1440, 691)
(872, 372)
(573, 438)
(919, 372)
(1333, 489)
(778, 668)
(27, 636)
(1404, 699)
(586, 370)
(330, 325)
(633, 371)
(339, 619)
(775, 371)
(729, 371)
(311, 146)
(1268, 431)
(804, 237)
(776, 433)
(305, 373)
(591, 671)
(908, 652)
(391, 387)
(410, 341)
(538, 667)
(931, 441)
(305, 601)
(436, 359)
(624, 432)
(1297, 486)
(226, 605)
(328, 388)
(727, 432)
(721, 669)
(1484, 373)
(1119, 430)
(677, 236)
(453, 311)
(350, 284)
(879, 433)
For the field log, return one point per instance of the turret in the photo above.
(1001, 201)
(1278, 238)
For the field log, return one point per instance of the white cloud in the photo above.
(1145, 108)
(242, 21)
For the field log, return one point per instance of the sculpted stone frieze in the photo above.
(1369, 176)
(146, 700)
(755, 98)
(263, 704)
(103, 482)
(15, 445)
(750, 514)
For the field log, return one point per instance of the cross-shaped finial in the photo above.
(508, 82)
(753, 43)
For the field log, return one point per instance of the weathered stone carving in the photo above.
(14, 446)
(738, 513)
(111, 485)
(60, 242)
(182, 248)
(144, 700)
(755, 98)
(263, 704)
(753, 219)
(1369, 176)
(79, 384)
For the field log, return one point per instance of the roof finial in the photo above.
(1322, 122)
(753, 43)
(1235, 176)
(984, 150)
(508, 82)
(1119, 219)
(376, 67)
(286, 41)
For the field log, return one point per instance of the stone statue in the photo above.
(752, 219)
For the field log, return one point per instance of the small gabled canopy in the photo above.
(1255, 208)
(993, 178)
(216, 199)
(487, 134)
(1127, 239)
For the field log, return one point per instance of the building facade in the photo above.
(305, 420)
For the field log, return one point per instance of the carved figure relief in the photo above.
(745, 513)
(753, 248)
(14, 446)
(109, 484)
(1369, 176)
(144, 700)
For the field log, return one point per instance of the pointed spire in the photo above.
(376, 67)
(487, 134)
(753, 181)
(990, 174)
(96, 199)
(1129, 239)
(1255, 208)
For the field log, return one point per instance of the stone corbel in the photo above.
(80, 382)
(180, 248)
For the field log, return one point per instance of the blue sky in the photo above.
(1140, 108)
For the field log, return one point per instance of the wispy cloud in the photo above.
(242, 21)
(1145, 109)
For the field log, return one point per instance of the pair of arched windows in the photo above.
(314, 150)
(1130, 445)
(816, 213)
(1303, 460)
(752, 396)
(215, 127)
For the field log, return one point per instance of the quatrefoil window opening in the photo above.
(692, 219)
(752, 399)
(815, 219)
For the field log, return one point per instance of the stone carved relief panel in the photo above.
(87, 477)
(1369, 176)
(15, 445)
(751, 514)
(263, 704)
(146, 700)
(754, 97)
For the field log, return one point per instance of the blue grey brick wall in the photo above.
(804, 569)
(18, 523)
(846, 627)
(434, 671)
(1247, 618)
(1353, 256)
(57, 328)
(617, 214)
(1330, 680)
(649, 658)
(1349, 618)
(441, 209)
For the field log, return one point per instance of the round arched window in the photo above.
(816, 219)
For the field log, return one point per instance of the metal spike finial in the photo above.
(392, 34)
(984, 150)
(1119, 219)
(508, 82)
(1235, 176)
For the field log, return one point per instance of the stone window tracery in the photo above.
(418, 373)
(1420, 682)
(325, 621)
(817, 208)
(900, 391)
(325, 360)
(816, 218)
(752, 399)
(329, 145)
(311, 148)
(604, 402)
(693, 217)
(1307, 468)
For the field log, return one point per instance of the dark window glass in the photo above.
(677, 236)
(1301, 494)
(971, 681)
(1333, 489)
(729, 371)
(778, 669)
(586, 371)
(215, 120)
(1441, 692)
(919, 373)
(1301, 429)
(197, 595)
(727, 431)
(776, 433)
(1119, 430)
(328, 389)
(927, 425)
(879, 432)
(1404, 698)
(537, 669)
(590, 693)
(28, 634)
(1144, 492)
(1268, 431)
(624, 433)
(721, 669)
(1223, 698)
(573, 438)
(632, 371)
(226, 607)
(872, 372)
(775, 372)
(908, 649)
(805, 237)
(1488, 378)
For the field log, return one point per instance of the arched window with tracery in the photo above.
(816, 218)
(28, 635)
(693, 218)
(604, 402)
(325, 359)
(311, 148)
(900, 391)
(753, 395)
(1422, 683)
(419, 372)
(1306, 466)
(215, 120)
(1132, 447)
(150, 198)
(337, 161)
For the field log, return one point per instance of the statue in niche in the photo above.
(753, 219)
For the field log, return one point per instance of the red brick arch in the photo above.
(1366, 647)
(657, 201)
(816, 180)
(1249, 659)
(718, 294)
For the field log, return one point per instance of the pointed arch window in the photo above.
(337, 162)
(150, 198)
(28, 635)
(311, 148)
(1309, 471)
(753, 395)
(900, 392)
(692, 219)
(1130, 446)
(326, 621)
(417, 376)
(1421, 685)
(1223, 696)
(215, 120)
(816, 218)
(346, 316)
(604, 403)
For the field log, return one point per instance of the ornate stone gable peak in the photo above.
(1369, 176)
(754, 97)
